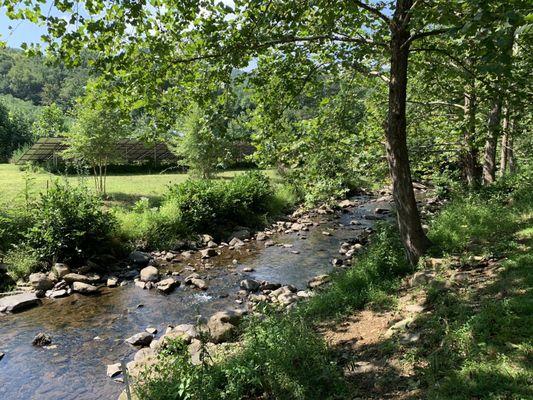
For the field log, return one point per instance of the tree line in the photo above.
(439, 78)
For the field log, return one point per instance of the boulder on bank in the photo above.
(113, 370)
(60, 270)
(139, 259)
(19, 302)
(249, 285)
(73, 277)
(318, 281)
(84, 288)
(140, 339)
(149, 274)
(223, 324)
(40, 281)
(241, 233)
(209, 252)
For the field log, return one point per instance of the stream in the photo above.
(88, 332)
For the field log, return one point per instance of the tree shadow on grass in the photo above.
(128, 199)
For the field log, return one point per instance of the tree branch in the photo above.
(373, 10)
(421, 35)
(283, 40)
(436, 103)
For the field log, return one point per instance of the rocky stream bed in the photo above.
(88, 331)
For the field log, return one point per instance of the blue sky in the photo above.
(24, 31)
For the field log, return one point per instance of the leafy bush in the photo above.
(13, 225)
(70, 224)
(204, 205)
(22, 261)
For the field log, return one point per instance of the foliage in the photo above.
(203, 145)
(376, 271)
(51, 122)
(100, 124)
(207, 204)
(22, 261)
(70, 225)
(281, 358)
(14, 132)
(36, 80)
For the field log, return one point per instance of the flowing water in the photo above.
(89, 332)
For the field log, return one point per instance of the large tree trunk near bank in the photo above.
(489, 156)
(470, 151)
(413, 237)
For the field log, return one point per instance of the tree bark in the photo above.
(489, 157)
(413, 237)
(504, 151)
(470, 151)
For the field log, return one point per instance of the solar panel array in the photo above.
(129, 150)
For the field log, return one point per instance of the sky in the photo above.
(25, 31)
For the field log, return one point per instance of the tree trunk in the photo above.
(413, 237)
(504, 151)
(470, 152)
(489, 157)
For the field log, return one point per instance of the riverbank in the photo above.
(458, 327)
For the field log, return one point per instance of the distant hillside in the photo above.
(38, 81)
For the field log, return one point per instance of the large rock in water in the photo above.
(149, 274)
(19, 302)
(40, 281)
(72, 277)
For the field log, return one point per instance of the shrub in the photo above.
(22, 261)
(205, 205)
(70, 224)
(13, 225)
(147, 227)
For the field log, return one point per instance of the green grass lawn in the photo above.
(121, 188)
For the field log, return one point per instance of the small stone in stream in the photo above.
(248, 269)
(270, 243)
(166, 285)
(151, 330)
(140, 284)
(140, 339)
(199, 283)
(41, 340)
(355, 222)
(84, 288)
(113, 370)
(260, 236)
(1, 355)
(380, 210)
(207, 253)
(97, 338)
(249, 285)
(326, 233)
(212, 245)
(112, 282)
(140, 306)
(295, 252)
(124, 283)
(149, 274)
(346, 203)
(337, 262)
(40, 281)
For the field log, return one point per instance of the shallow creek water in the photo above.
(89, 332)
